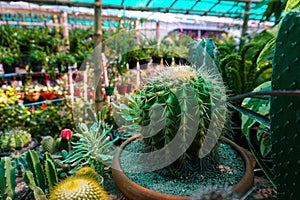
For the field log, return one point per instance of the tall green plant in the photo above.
(285, 111)
(8, 178)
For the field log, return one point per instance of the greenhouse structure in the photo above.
(149, 99)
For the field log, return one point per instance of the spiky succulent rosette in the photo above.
(176, 104)
(78, 187)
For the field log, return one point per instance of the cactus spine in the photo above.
(7, 177)
(285, 110)
(15, 139)
(78, 187)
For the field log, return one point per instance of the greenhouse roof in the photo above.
(219, 8)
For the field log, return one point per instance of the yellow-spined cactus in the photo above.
(89, 172)
(78, 187)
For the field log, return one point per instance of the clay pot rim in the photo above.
(132, 190)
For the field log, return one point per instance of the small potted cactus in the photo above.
(180, 121)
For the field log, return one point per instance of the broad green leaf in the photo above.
(267, 50)
(292, 4)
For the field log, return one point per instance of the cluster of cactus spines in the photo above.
(8, 178)
(44, 178)
(15, 138)
(204, 53)
(48, 144)
(78, 187)
(184, 93)
(89, 172)
(285, 110)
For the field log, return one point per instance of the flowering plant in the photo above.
(32, 88)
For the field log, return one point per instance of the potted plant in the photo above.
(33, 91)
(48, 92)
(7, 59)
(122, 87)
(62, 61)
(173, 112)
(138, 55)
(37, 60)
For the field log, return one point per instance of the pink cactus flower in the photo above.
(66, 134)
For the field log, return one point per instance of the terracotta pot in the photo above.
(122, 89)
(133, 191)
(33, 96)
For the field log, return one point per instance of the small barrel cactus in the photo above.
(15, 139)
(48, 144)
(78, 187)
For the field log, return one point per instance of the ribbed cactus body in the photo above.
(49, 144)
(285, 110)
(15, 139)
(176, 101)
(8, 178)
(78, 188)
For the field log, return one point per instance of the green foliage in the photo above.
(15, 139)
(284, 111)
(260, 106)
(8, 178)
(93, 147)
(240, 70)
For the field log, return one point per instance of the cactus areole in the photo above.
(285, 111)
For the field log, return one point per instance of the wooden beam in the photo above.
(97, 58)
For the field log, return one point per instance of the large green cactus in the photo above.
(173, 105)
(44, 176)
(15, 138)
(285, 111)
(8, 178)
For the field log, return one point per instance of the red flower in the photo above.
(66, 134)
(32, 109)
(43, 106)
(48, 119)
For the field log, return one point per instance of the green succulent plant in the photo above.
(93, 148)
(15, 138)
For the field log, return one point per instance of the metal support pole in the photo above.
(245, 23)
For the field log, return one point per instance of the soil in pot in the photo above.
(229, 172)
